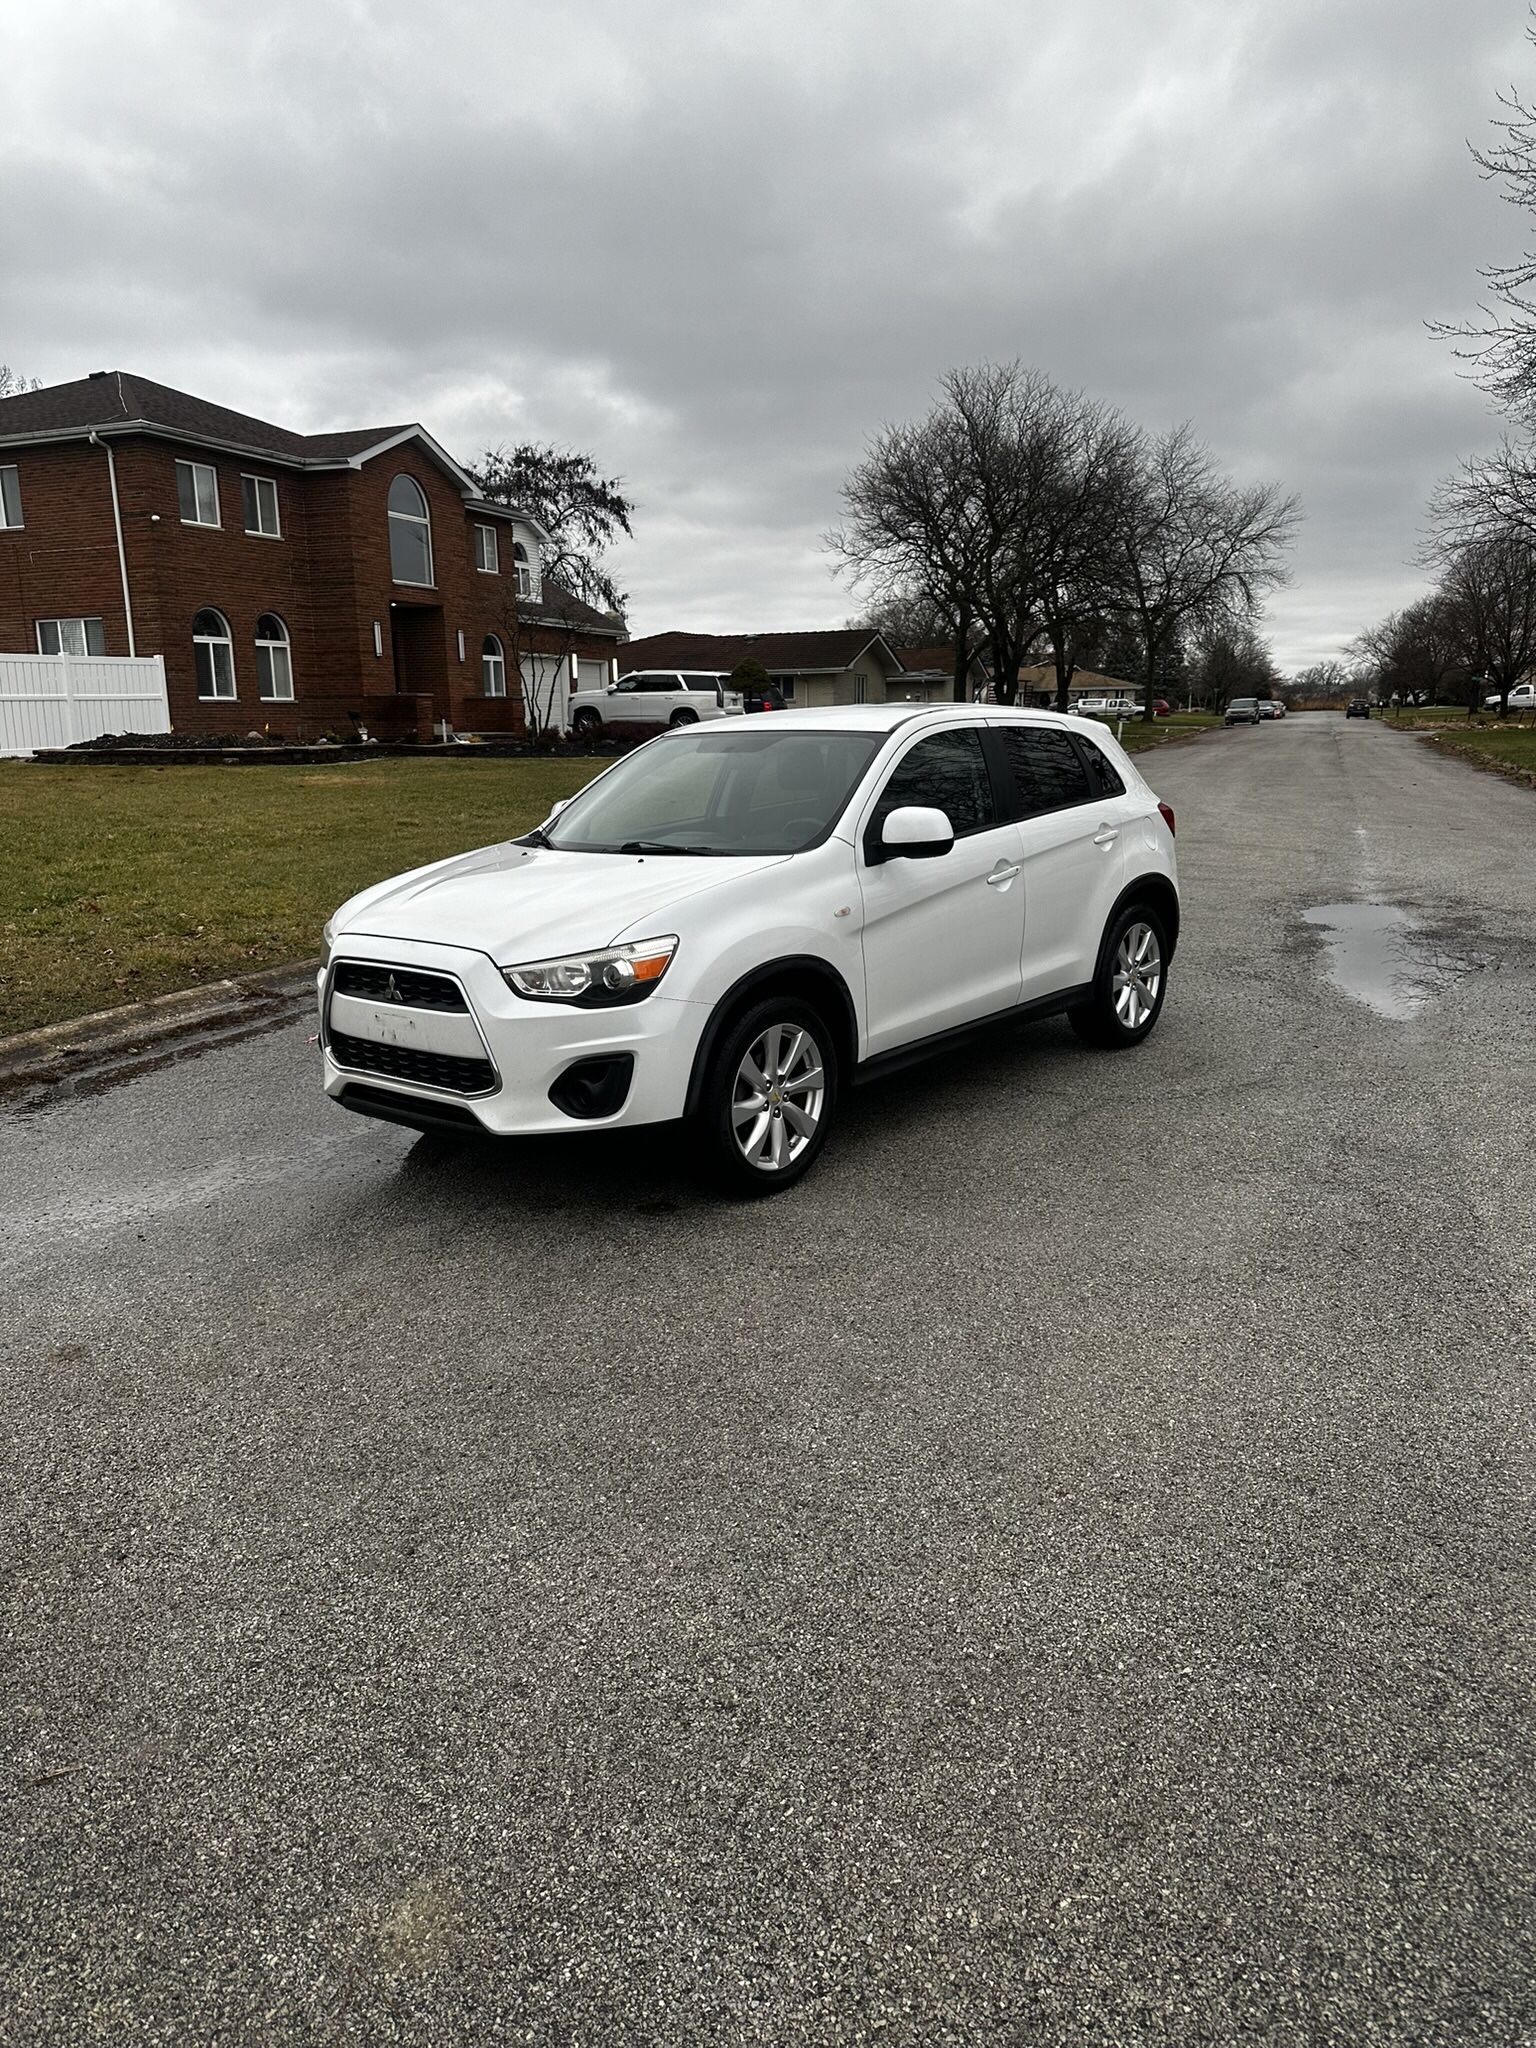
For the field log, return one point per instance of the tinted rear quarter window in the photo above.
(1047, 770)
(1103, 776)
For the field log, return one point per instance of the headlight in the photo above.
(327, 941)
(618, 974)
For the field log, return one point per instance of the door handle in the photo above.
(1106, 835)
(1000, 876)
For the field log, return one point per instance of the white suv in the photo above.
(655, 696)
(734, 924)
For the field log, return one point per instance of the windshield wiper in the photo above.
(537, 837)
(662, 846)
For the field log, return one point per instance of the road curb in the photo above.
(55, 1049)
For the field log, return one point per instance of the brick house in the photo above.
(299, 582)
(847, 665)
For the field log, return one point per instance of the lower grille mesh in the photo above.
(410, 1063)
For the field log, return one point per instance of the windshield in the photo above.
(719, 792)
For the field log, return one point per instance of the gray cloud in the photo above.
(718, 245)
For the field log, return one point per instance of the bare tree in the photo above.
(12, 382)
(582, 512)
(1411, 654)
(1231, 660)
(1488, 599)
(1069, 574)
(914, 532)
(1325, 679)
(1192, 545)
(1502, 343)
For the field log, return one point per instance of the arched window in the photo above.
(526, 586)
(410, 533)
(213, 654)
(274, 662)
(493, 667)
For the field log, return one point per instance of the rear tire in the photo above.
(683, 718)
(1131, 982)
(768, 1098)
(587, 723)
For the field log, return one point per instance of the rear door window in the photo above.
(1048, 772)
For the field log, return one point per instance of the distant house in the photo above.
(842, 666)
(306, 582)
(928, 674)
(1037, 685)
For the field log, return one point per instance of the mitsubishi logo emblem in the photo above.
(392, 991)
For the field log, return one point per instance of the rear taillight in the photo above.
(1167, 811)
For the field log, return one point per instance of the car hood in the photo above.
(530, 902)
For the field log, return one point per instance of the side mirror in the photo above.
(556, 808)
(916, 832)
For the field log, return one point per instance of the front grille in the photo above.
(410, 1063)
(405, 985)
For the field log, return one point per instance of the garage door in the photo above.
(592, 675)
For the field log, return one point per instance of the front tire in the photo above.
(768, 1098)
(587, 723)
(1130, 985)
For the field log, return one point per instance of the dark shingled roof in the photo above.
(812, 653)
(115, 398)
(565, 611)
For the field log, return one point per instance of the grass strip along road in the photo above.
(1505, 746)
(120, 883)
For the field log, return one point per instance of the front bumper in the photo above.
(495, 1063)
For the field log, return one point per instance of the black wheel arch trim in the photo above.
(1164, 899)
(801, 967)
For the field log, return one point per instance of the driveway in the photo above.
(1060, 1575)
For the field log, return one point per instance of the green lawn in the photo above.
(117, 883)
(1509, 749)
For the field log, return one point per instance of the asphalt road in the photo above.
(1061, 1575)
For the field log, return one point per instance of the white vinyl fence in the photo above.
(52, 700)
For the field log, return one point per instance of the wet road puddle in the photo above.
(1385, 957)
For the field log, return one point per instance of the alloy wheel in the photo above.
(1138, 975)
(778, 1097)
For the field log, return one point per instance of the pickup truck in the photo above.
(1107, 707)
(654, 696)
(1521, 698)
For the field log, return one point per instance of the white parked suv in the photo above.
(734, 924)
(655, 696)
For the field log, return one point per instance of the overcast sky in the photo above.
(717, 245)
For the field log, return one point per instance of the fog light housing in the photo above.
(594, 1088)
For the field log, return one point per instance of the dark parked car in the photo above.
(1242, 711)
(1357, 708)
(763, 697)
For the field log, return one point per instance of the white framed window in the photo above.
(274, 660)
(785, 685)
(213, 654)
(260, 496)
(197, 492)
(527, 585)
(71, 636)
(410, 533)
(10, 497)
(493, 667)
(487, 551)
